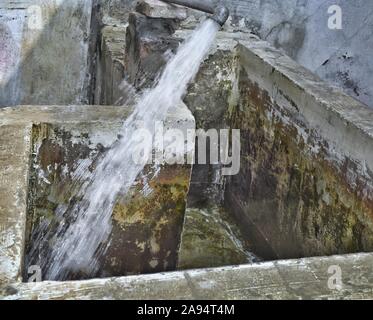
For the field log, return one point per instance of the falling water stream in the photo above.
(79, 243)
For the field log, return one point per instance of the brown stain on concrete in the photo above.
(146, 228)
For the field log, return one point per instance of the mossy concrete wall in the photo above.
(41, 148)
(147, 222)
(305, 186)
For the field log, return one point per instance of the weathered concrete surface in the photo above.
(211, 238)
(110, 85)
(68, 114)
(15, 142)
(147, 222)
(299, 28)
(15, 149)
(115, 10)
(11, 31)
(292, 210)
(209, 106)
(305, 185)
(147, 228)
(300, 100)
(287, 279)
(159, 9)
(49, 42)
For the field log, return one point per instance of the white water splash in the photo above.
(77, 246)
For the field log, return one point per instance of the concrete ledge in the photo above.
(58, 114)
(285, 279)
(15, 146)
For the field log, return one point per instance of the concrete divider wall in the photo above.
(305, 186)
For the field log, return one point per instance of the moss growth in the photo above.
(211, 239)
(168, 195)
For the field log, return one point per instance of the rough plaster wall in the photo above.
(47, 63)
(299, 27)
